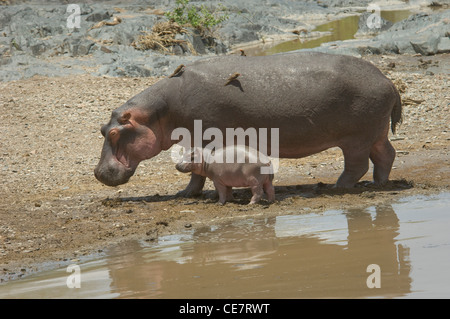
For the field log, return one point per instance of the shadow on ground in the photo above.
(243, 195)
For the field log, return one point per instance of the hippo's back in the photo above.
(313, 98)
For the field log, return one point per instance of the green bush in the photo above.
(198, 17)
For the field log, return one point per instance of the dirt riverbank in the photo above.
(53, 209)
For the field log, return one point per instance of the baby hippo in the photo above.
(232, 166)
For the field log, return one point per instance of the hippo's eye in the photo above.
(114, 132)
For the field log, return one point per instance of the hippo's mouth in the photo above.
(122, 158)
(115, 169)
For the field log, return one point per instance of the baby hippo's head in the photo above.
(190, 161)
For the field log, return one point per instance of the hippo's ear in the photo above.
(124, 117)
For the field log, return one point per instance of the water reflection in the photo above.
(339, 30)
(284, 257)
(314, 255)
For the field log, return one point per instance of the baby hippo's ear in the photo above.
(196, 155)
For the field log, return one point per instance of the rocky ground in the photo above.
(54, 212)
(43, 38)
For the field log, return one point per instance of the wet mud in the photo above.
(395, 249)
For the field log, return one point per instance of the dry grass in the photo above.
(162, 38)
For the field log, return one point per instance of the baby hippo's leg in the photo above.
(230, 196)
(256, 188)
(270, 190)
(257, 192)
(222, 190)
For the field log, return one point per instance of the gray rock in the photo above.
(124, 38)
(4, 60)
(426, 44)
(99, 15)
(404, 46)
(349, 3)
(177, 50)
(38, 48)
(132, 70)
(77, 46)
(220, 47)
(85, 9)
(197, 43)
(5, 19)
(443, 45)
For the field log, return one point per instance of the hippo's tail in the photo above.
(396, 113)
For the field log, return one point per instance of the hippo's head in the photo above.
(134, 133)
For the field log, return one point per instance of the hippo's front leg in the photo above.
(195, 186)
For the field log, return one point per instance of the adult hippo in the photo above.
(317, 101)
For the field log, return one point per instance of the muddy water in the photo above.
(313, 255)
(342, 29)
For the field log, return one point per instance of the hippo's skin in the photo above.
(225, 175)
(317, 101)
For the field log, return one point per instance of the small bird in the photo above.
(179, 69)
(391, 65)
(298, 32)
(242, 52)
(232, 78)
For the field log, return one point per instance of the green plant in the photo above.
(198, 17)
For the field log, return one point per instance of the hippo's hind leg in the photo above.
(382, 155)
(195, 186)
(356, 164)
